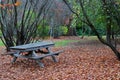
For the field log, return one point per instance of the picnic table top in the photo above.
(33, 45)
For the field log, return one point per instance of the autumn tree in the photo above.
(111, 13)
(19, 20)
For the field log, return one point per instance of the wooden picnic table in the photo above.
(32, 49)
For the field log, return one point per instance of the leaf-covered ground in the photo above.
(83, 60)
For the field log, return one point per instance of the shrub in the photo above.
(64, 30)
(42, 31)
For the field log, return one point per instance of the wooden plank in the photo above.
(9, 53)
(50, 54)
(33, 45)
(38, 57)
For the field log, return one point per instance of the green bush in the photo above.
(59, 30)
(64, 30)
(42, 31)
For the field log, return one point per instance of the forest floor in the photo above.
(84, 60)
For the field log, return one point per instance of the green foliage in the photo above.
(56, 31)
(64, 30)
(42, 31)
(59, 30)
(94, 11)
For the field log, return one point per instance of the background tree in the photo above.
(111, 13)
(58, 18)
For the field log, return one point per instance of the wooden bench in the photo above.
(32, 49)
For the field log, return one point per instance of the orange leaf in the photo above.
(18, 3)
(2, 6)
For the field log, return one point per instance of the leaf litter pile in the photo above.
(83, 60)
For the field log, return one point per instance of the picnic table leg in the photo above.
(40, 63)
(15, 58)
(53, 57)
(38, 60)
(34, 54)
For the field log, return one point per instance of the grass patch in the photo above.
(64, 42)
(90, 37)
(1, 43)
(93, 37)
(57, 43)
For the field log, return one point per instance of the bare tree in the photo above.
(19, 20)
